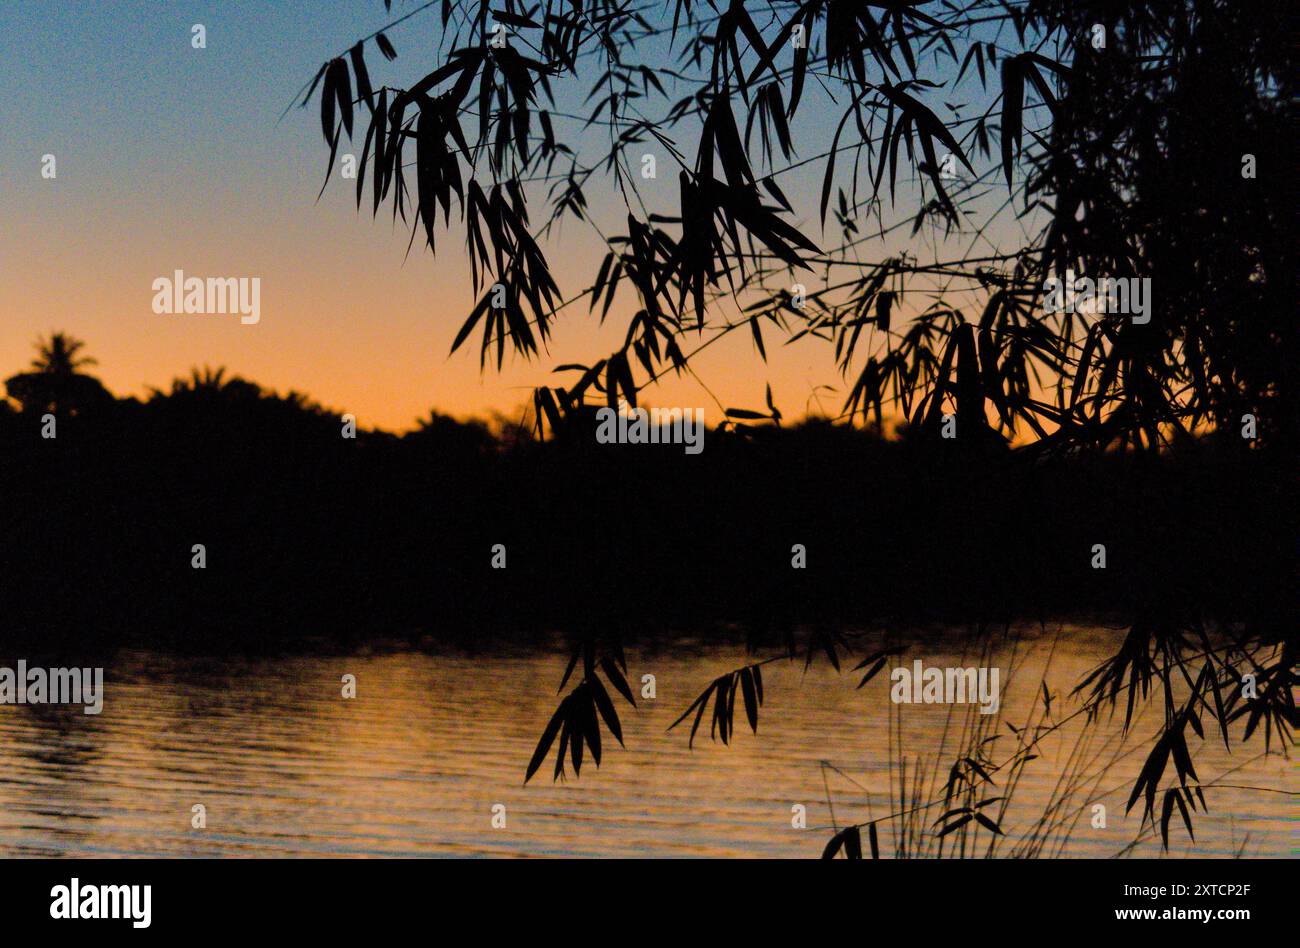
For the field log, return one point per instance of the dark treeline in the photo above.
(311, 537)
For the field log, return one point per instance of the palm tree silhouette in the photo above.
(56, 384)
(209, 386)
(59, 355)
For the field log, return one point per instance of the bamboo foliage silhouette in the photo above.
(576, 721)
(1106, 156)
(1108, 386)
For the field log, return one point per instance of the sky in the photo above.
(175, 158)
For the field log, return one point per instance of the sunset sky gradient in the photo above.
(173, 158)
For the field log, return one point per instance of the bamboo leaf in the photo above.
(544, 745)
(956, 825)
(1013, 94)
(852, 843)
(833, 847)
(751, 699)
(607, 710)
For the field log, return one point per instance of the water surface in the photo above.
(285, 766)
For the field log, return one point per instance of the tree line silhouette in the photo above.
(314, 538)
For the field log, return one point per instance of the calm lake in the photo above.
(413, 766)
